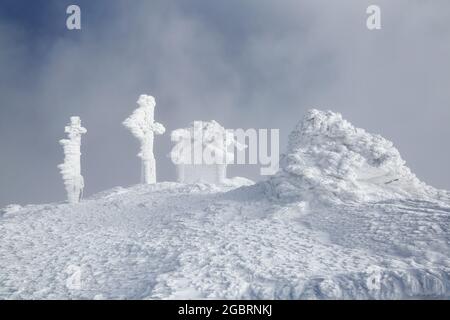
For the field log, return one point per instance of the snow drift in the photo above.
(329, 159)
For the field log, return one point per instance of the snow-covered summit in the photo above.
(358, 225)
(330, 159)
(184, 241)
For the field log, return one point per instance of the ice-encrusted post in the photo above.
(71, 168)
(142, 125)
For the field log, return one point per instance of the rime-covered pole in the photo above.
(142, 125)
(71, 168)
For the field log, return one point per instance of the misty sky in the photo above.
(244, 63)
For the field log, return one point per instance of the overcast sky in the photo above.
(244, 63)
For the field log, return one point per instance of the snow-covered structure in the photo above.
(142, 125)
(202, 152)
(330, 159)
(71, 168)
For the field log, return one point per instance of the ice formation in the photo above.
(71, 168)
(202, 152)
(142, 125)
(328, 158)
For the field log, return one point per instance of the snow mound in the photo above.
(173, 241)
(330, 159)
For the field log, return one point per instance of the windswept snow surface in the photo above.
(322, 228)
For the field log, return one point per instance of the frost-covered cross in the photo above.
(71, 168)
(142, 125)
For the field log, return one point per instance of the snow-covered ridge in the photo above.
(331, 160)
(344, 218)
(175, 241)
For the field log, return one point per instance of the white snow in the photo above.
(71, 168)
(10, 209)
(142, 125)
(321, 229)
(202, 152)
(329, 159)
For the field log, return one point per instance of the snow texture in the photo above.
(323, 228)
(202, 152)
(142, 125)
(71, 168)
(329, 159)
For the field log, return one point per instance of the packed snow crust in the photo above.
(334, 223)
